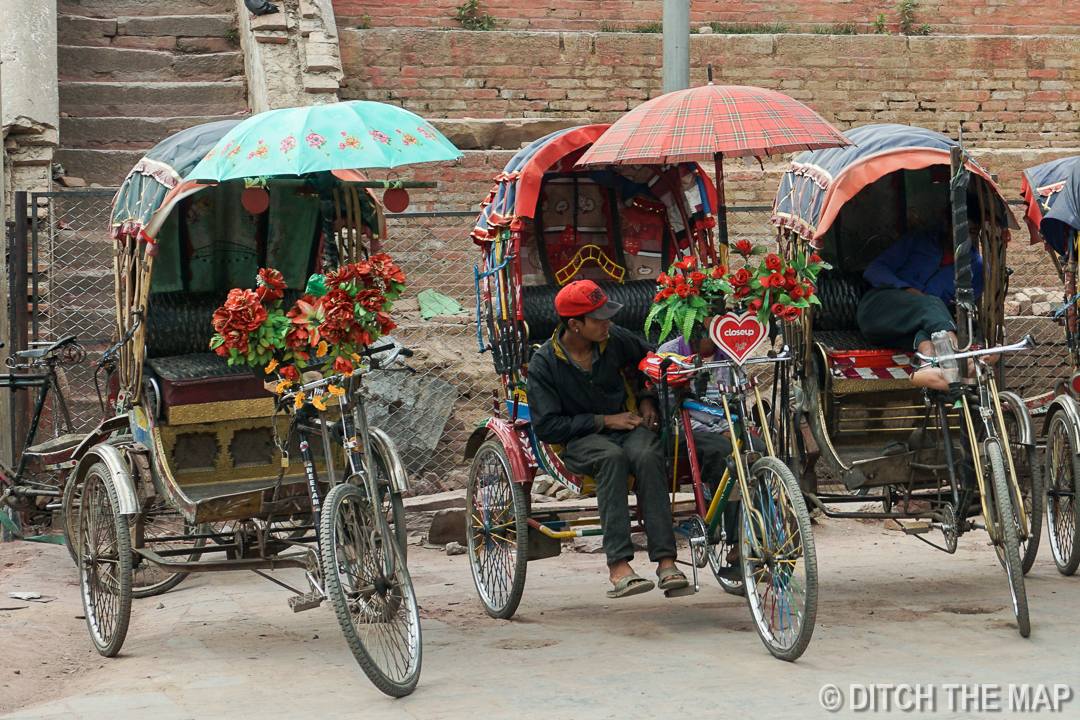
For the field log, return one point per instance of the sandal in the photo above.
(671, 579)
(632, 584)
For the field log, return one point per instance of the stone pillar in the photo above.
(291, 58)
(30, 111)
(31, 100)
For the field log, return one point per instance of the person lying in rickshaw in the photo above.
(712, 436)
(914, 282)
(578, 397)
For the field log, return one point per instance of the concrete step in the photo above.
(106, 167)
(77, 30)
(123, 65)
(121, 8)
(125, 133)
(152, 99)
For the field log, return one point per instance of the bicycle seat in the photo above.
(45, 350)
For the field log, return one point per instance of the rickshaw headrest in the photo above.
(839, 293)
(179, 323)
(635, 296)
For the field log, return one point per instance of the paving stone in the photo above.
(73, 30)
(320, 84)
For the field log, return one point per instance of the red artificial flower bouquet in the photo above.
(341, 312)
(769, 287)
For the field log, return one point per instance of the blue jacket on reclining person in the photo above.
(917, 260)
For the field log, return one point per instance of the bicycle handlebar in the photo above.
(782, 356)
(935, 360)
(108, 354)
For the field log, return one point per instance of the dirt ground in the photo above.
(891, 610)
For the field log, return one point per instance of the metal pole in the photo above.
(676, 45)
(19, 315)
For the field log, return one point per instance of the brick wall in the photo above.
(993, 17)
(1008, 92)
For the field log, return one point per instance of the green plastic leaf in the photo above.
(784, 299)
(814, 300)
(763, 315)
(688, 325)
(669, 318)
(758, 250)
(316, 285)
(651, 318)
(697, 301)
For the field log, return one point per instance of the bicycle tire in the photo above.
(1062, 462)
(69, 510)
(104, 562)
(1000, 505)
(161, 520)
(1029, 475)
(377, 612)
(495, 504)
(718, 553)
(781, 583)
(393, 506)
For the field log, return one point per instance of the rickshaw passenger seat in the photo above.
(178, 332)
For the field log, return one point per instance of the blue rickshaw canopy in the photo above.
(1050, 212)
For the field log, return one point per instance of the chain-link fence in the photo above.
(454, 382)
(71, 290)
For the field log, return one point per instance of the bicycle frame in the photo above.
(712, 513)
(45, 381)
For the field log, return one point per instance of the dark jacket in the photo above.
(565, 402)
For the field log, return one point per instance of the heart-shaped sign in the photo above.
(737, 335)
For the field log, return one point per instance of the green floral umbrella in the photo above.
(337, 136)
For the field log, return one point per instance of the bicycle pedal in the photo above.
(918, 528)
(680, 592)
(307, 601)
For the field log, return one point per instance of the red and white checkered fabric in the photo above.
(869, 364)
(694, 124)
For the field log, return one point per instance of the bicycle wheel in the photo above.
(370, 590)
(1029, 474)
(161, 527)
(1000, 507)
(104, 542)
(392, 505)
(778, 560)
(497, 531)
(1062, 476)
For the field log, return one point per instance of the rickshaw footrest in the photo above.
(307, 601)
(918, 528)
(680, 592)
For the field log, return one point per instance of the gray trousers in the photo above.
(714, 454)
(608, 457)
(897, 318)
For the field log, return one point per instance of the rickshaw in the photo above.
(245, 479)
(865, 434)
(1052, 198)
(544, 224)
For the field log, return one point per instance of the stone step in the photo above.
(134, 31)
(105, 167)
(121, 8)
(152, 99)
(111, 64)
(125, 133)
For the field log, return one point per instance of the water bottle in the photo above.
(943, 346)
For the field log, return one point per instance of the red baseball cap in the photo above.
(584, 297)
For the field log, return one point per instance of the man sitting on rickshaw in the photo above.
(914, 282)
(578, 397)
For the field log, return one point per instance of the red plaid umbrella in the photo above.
(713, 122)
(695, 124)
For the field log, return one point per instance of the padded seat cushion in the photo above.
(851, 357)
(839, 294)
(636, 296)
(203, 378)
